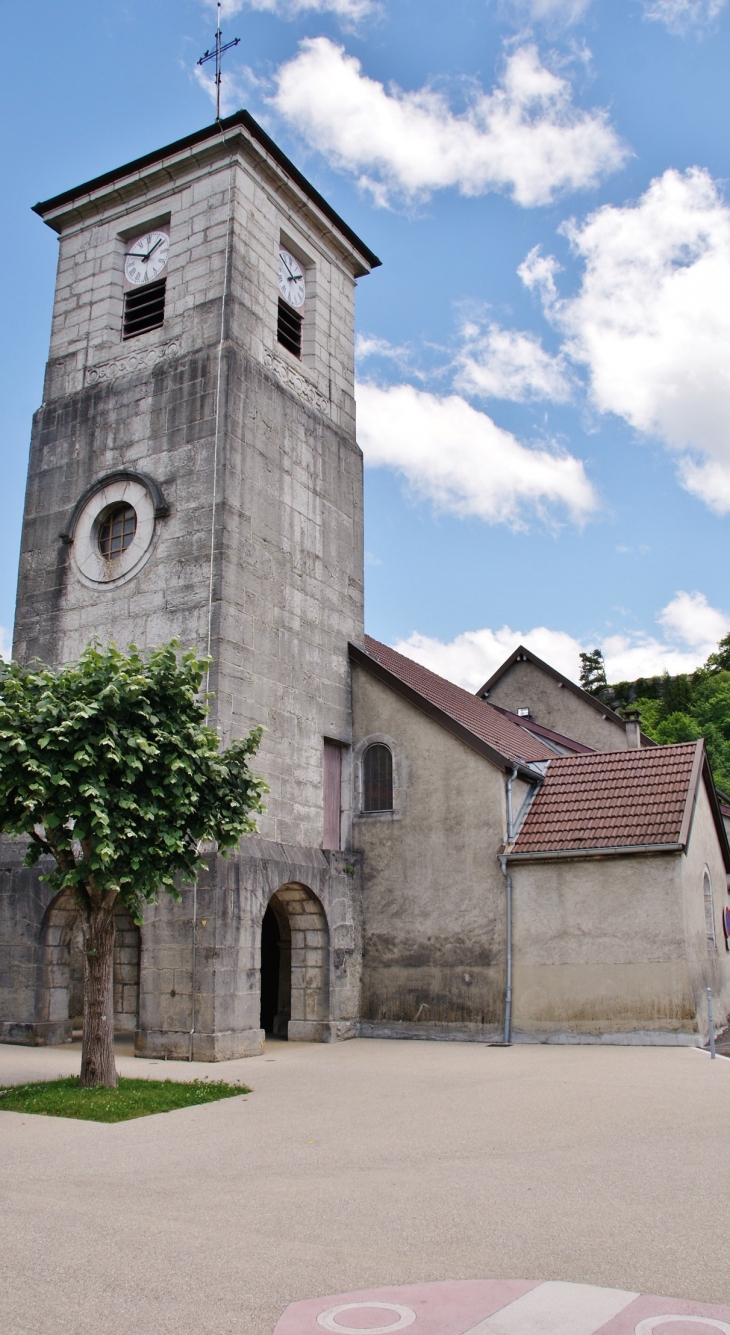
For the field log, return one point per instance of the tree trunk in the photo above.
(97, 1052)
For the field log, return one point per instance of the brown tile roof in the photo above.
(482, 720)
(613, 800)
(538, 730)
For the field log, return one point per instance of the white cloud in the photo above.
(6, 643)
(651, 321)
(680, 15)
(689, 617)
(537, 272)
(564, 11)
(369, 345)
(235, 87)
(461, 460)
(347, 9)
(472, 657)
(506, 364)
(691, 631)
(525, 137)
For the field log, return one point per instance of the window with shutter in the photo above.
(377, 778)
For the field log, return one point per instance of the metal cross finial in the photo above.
(216, 56)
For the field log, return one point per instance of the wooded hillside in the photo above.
(676, 709)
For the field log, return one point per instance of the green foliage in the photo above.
(130, 1098)
(720, 660)
(108, 765)
(685, 707)
(677, 727)
(593, 672)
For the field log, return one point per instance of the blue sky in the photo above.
(545, 354)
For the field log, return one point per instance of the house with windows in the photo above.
(431, 863)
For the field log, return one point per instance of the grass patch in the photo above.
(131, 1098)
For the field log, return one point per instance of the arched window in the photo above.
(377, 778)
(709, 911)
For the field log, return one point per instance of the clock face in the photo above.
(146, 257)
(291, 279)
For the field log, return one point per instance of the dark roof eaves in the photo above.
(438, 715)
(245, 119)
(558, 676)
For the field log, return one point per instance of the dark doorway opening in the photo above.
(270, 970)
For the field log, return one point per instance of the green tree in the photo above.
(593, 672)
(677, 727)
(108, 766)
(720, 660)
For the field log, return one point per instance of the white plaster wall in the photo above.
(554, 706)
(599, 947)
(433, 892)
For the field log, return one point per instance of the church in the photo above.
(517, 865)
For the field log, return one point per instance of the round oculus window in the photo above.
(113, 535)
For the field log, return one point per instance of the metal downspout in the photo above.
(508, 883)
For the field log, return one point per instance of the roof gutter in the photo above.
(570, 854)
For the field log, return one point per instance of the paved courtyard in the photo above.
(364, 1166)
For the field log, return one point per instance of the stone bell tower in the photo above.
(194, 473)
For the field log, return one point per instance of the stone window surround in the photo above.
(400, 777)
(309, 316)
(121, 485)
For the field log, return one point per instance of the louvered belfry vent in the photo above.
(144, 308)
(289, 329)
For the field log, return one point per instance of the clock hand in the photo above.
(135, 254)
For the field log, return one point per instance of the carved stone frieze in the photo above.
(144, 359)
(298, 384)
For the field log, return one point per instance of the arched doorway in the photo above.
(294, 965)
(63, 986)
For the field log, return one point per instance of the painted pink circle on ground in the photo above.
(676, 1324)
(379, 1318)
(465, 1307)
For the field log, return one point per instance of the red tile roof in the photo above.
(613, 799)
(481, 719)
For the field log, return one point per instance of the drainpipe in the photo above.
(507, 1039)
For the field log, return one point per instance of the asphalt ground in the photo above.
(359, 1165)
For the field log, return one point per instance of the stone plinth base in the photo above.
(40, 1034)
(205, 1047)
(445, 1032)
(321, 1031)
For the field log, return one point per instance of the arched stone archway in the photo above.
(62, 984)
(295, 966)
